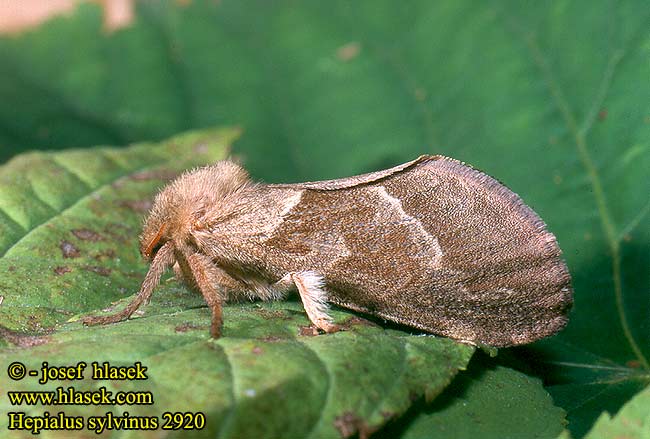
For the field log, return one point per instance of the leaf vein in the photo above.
(328, 393)
(635, 221)
(605, 84)
(75, 203)
(396, 380)
(608, 76)
(11, 220)
(611, 237)
(69, 170)
(233, 406)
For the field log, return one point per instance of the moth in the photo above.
(433, 244)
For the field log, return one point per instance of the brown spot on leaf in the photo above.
(12, 268)
(635, 364)
(142, 206)
(269, 314)
(349, 51)
(102, 271)
(69, 250)
(557, 179)
(272, 339)
(349, 423)
(184, 327)
(356, 321)
(87, 235)
(602, 114)
(308, 331)
(60, 270)
(257, 350)
(21, 339)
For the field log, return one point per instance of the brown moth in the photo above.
(433, 244)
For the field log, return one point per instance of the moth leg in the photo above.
(179, 276)
(212, 282)
(163, 259)
(314, 299)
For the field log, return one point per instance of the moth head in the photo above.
(190, 200)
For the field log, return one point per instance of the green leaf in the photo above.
(633, 420)
(262, 379)
(69, 223)
(486, 402)
(583, 383)
(552, 98)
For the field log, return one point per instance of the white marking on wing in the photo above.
(285, 206)
(421, 236)
(291, 202)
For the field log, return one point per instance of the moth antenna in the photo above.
(163, 260)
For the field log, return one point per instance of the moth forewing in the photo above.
(432, 243)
